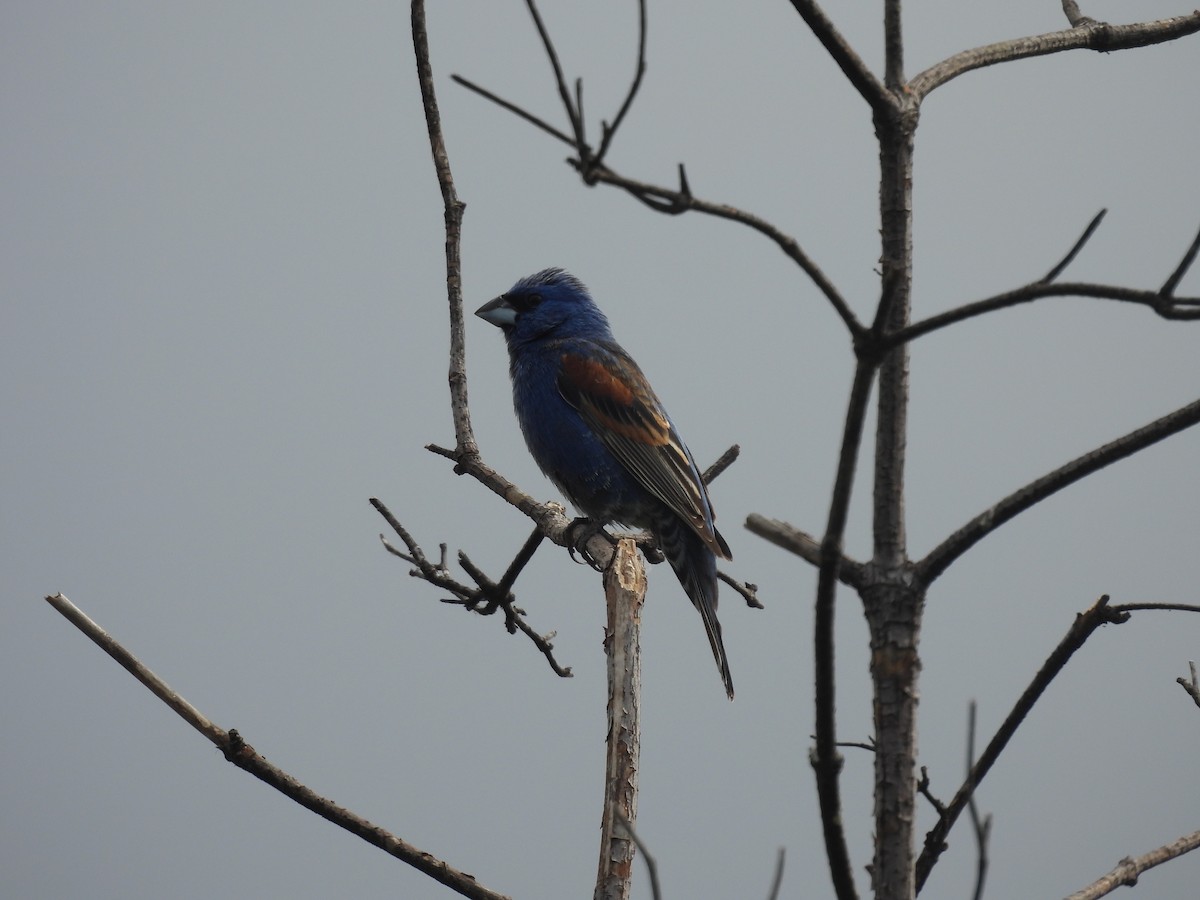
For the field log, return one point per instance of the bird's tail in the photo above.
(696, 567)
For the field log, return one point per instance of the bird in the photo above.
(595, 427)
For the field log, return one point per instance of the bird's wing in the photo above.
(618, 404)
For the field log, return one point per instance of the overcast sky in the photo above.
(223, 329)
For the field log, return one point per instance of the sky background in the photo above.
(224, 328)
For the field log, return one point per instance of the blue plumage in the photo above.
(594, 425)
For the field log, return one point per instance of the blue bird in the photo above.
(595, 427)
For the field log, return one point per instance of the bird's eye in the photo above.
(524, 302)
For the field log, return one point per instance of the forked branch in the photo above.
(1162, 301)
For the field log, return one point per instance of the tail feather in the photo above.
(696, 567)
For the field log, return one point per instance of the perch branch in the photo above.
(242, 755)
(625, 595)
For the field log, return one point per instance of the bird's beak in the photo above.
(499, 312)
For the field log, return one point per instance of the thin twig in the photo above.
(777, 879)
(487, 596)
(514, 109)
(981, 826)
(1074, 251)
(1169, 286)
(1192, 686)
(940, 558)
(681, 200)
(724, 461)
(563, 93)
(610, 131)
(242, 755)
(651, 865)
(748, 590)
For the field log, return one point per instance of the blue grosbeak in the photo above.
(596, 428)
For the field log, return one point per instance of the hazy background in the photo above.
(223, 329)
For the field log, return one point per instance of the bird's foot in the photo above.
(578, 533)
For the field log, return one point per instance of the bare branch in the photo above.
(980, 825)
(608, 132)
(788, 244)
(1192, 686)
(651, 865)
(804, 545)
(1088, 35)
(777, 879)
(924, 790)
(667, 200)
(573, 115)
(1127, 871)
(748, 590)
(460, 411)
(1163, 301)
(1074, 16)
(1074, 251)
(940, 558)
(723, 462)
(851, 64)
(625, 593)
(1169, 286)
(244, 756)
(825, 759)
(487, 596)
(514, 109)
(1085, 624)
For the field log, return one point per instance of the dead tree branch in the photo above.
(1192, 685)
(1162, 301)
(486, 596)
(1127, 871)
(1084, 626)
(625, 592)
(940, 558)
(593, 170)
(242, 755)
(851, 64)
(1086, 35)
(850, 572)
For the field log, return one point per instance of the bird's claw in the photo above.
(578, 533)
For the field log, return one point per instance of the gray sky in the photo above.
(223, 330)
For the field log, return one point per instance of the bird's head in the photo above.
(548, 304)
